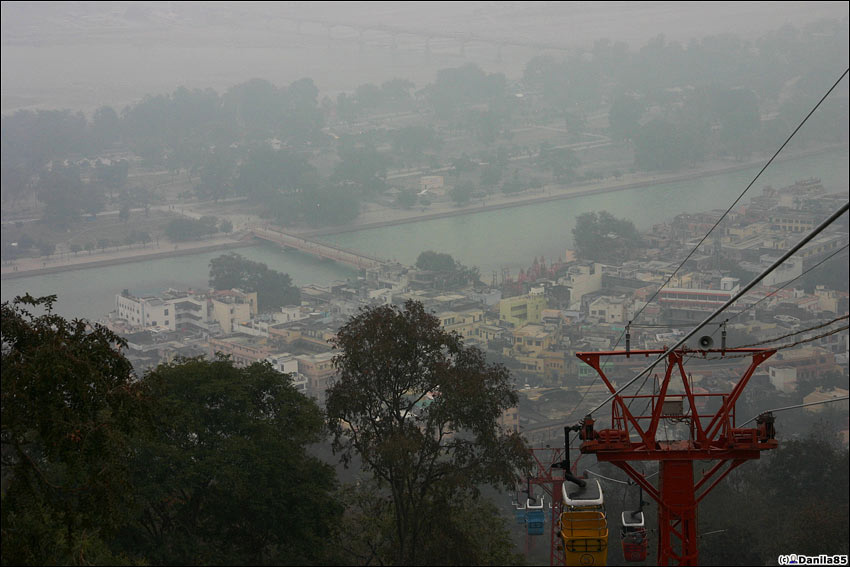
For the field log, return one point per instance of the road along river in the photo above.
(509, 237)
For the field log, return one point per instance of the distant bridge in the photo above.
(349, 257)
(462, 37)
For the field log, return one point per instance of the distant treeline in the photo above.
(675, 104)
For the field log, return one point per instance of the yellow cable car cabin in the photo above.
(584, 526)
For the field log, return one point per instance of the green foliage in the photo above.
(604, 238)
(105, 127)
(407, 198)
(421, 411)
(467, 531)
(462, 193)
(182, 229)
(274, 289)
(61, 189)
(369, 97)
(660, 145)
(463, 164)
(624, 116)
(458, 87)
(486, 125)
(812, 521)
(331, 204)
(362, 166)
(267, 172)
(450, 272)
(397, 91)
(225, 478)
(258, 106)
(217, 173)
(112, 176)
(491, 175)
(737, 113)
(70, 405)
(435, 261)
(513, 185)
(415, 140)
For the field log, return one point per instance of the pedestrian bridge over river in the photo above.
(322, 250)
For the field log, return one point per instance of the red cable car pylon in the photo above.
(712, 436)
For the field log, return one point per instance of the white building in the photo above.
(783, 378)
(172, 311)
(582, 279)
(287, 364)
(146, 311)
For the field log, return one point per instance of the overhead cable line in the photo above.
(594, 473)
(592, 382)
(691, 253)
(790, 252)
(682, 326)
(723, 216)
(786, 284)
(773, 340)
(790, 345)
(829, 401)
(766, 165)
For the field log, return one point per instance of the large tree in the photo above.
(70, 406)
(604, 238)
(422, 412)
(226, 478)
(449, 272)
(274, 289)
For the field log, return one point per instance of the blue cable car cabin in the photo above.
(535, 518)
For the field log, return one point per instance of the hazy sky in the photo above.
(84, 54)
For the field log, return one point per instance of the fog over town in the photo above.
(459, 218)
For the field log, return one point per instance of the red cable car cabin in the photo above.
(633, 532)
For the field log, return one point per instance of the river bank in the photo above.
(111, 259)
(497, 242)
(378, 217)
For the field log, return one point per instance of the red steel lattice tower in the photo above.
(712, 436)
(547, 461)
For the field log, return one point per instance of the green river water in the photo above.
(491, 240)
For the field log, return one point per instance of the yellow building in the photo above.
(819, 395)
(231, 307)
(319, 371)
(465, 323)
(531, 340)
(522, 309)
(244, 350)
(536, 349)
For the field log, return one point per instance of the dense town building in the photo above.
(563, 308)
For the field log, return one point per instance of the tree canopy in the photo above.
(234, 271)
(451, 273)
(422, 413)
(70, 408)
(604, 238)
(435, 261)
(227, 463)
(198, 462)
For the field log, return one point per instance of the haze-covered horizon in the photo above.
(84, 55)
